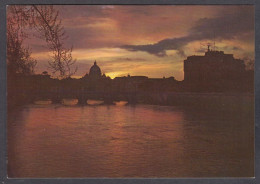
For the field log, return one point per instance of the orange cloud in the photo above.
(98, 33)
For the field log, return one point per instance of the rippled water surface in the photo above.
(47, 140)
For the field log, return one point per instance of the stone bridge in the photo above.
(56, 95)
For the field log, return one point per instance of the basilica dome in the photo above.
(95, 71)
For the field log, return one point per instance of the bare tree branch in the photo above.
(45, 20)
(53, 32)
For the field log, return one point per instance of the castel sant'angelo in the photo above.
(213, 66)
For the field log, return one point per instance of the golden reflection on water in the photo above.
(121, 103)
(127, 141)
(95, 102)
(67, 101)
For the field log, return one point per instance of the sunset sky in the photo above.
(149, 40)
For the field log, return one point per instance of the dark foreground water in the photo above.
(132, 141)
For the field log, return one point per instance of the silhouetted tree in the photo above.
(19, 60)
(51, 30)
(45, 20)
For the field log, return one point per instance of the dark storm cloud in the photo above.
(159, 48)
(229, 25)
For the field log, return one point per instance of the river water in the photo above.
(49, 140)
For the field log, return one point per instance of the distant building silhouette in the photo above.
(95, 72)
(213, 66)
